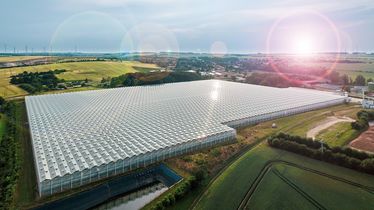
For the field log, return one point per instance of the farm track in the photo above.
(300, 191)
(271, 163)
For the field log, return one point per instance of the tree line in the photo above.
(272, 80)
(342, 156)
(151, 78)
(34, 82)
(345, 80)
(9, 160)
(276, 80)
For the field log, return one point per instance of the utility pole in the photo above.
(14, 50)
(5, 46)
(26, 49)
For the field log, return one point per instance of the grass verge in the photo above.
(339, 134)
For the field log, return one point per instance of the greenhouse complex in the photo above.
(81, 137)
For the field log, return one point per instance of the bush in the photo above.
(342, 156)
(367, 165)
(363, 120)
(183, 189)
(215, 152)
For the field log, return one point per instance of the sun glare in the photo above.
(304, 46)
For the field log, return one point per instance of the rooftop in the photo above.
(75, 131)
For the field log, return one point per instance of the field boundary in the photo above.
(297, 189)
(230, 161)
(271, 163)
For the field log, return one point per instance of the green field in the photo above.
(2, 125)
(339, 134)
(26, 188)
(304, 187)
(237, 179)
(272, 184)
(93, 71)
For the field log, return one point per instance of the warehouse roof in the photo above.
(76, 131)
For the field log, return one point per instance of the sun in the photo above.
(304, 46)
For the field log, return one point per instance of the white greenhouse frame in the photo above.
(82, 137)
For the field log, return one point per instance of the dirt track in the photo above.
(365, 141)
(312, 133)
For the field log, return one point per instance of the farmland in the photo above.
(354, 65)
(365, 141)
(18, 58)
(233, 176)
(93, 71)
(239, 178)
(271, 191)
(285, 181)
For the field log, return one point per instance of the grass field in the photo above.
(339, 134)
(26, 189)
(237, 179)
(93, 71)
(18, 58)
(284, 182)
(366, 68)
(302, 128)
(272, 184)
(301, 123)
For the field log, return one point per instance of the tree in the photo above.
(370, 80)
(345, 80)
(334, 77)
(360, 80)
(2, 101)
(368, 165)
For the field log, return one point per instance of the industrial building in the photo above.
(82, 137)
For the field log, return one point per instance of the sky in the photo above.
(230, 26)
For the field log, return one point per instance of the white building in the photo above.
(82, 137)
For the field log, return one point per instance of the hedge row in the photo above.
(188, 185)
(341, 156)
(9, 162)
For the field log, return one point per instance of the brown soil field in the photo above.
(365, 141)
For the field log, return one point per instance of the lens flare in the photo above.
(306, 40)
(304, 46)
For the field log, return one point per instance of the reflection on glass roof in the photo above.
(80, 130)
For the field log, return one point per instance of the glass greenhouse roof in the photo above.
(80, 130)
